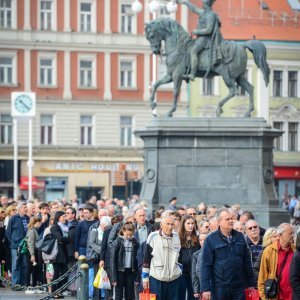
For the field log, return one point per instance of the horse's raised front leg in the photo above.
(176, 91)
(232, 91)
(166, 79)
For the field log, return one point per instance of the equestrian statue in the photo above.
(207, 55)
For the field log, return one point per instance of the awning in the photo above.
(287, 172)
(36, 184)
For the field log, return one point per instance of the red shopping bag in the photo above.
(145, 295)
(252, 294)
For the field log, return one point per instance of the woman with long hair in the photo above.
(60, 231)
(32, 237)
(189, 245)
(269, 238)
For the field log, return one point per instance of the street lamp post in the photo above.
(154, 6)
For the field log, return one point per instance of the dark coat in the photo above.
(117, 260)
(105, 253)
(196, 267)
(225, 264)
(295, 275)
(71, 244)
(62, 254)
(185, 258)
(15, 231)
(2, 244)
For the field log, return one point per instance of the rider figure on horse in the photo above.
(208, 36)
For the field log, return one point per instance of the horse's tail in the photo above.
(259, 52)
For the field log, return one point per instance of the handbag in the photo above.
(23, 247)
(145, 295)
(252, 294)
(48, 243)
(271, 285)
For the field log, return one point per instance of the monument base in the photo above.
(216, 160)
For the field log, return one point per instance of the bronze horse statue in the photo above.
(232, 68)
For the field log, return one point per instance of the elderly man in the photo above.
(276, 261)
(226, 270)
(253, 239)
(161, 270)
(143, 227)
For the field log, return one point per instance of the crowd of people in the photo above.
(179, 252)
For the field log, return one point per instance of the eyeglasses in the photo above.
(252, 227)
(192, 214)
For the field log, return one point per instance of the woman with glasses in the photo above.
(189, 245)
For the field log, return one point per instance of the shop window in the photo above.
(126, 131)
(6, 129)
(47, 129)
(86, 130)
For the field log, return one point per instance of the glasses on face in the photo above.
(252, 227)
(192, 214)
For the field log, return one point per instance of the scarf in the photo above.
(64, 228)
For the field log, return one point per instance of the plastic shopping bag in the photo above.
(145, 295)
(97, 279)
(252, 294)
(104, 280)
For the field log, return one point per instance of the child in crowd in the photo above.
(123, 263)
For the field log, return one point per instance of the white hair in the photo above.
(282, 227)
(105, 220)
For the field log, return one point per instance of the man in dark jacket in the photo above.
(15, 232)
(72, 224)
(226, 270)
(142, 227)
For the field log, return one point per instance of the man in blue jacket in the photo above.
(226, 270)
(15, 232)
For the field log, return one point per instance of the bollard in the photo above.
(83, 288)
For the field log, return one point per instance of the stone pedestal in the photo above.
(215, 160)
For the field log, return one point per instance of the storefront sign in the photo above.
(287, 172)
(36, 184)
(88, 167)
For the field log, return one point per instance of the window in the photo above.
(292, 83)
(208, 86)
(46, 129)
(126, 18)
(86, 17)
(126, 131)
(241, 91)
(87, 73)
(127, 73)
(277, 83)
(47, 71)
(278, 142)
(6, 13)
(46, 15)
(86, 128)
(293, 136)
(6, 129)
(7, 73)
